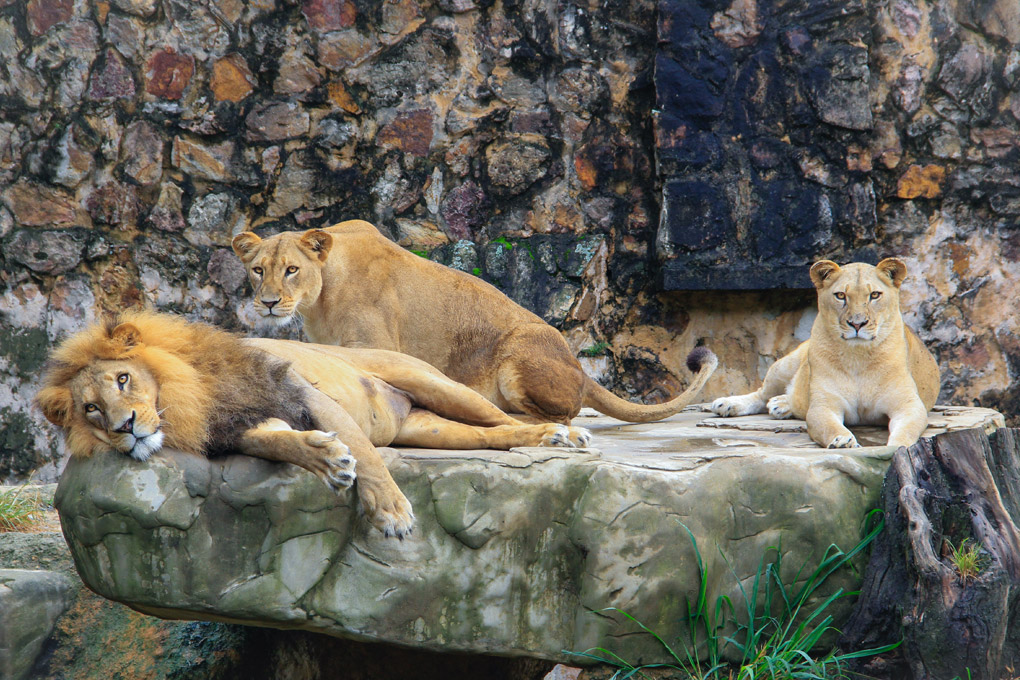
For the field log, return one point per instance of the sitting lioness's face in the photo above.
(284, 270)
(856, 302)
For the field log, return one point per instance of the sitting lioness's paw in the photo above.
(743, 405)
(779, 407)
(844, 441)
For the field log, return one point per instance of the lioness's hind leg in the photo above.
(428, 430)
(321, 453)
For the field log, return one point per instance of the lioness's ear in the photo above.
(244, 245)
(318, 242)
(822, 271)
(894, 268)
(126, 335)
(56, 404)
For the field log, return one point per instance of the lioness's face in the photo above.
(116, 400)
(859, 301)
(285, 271)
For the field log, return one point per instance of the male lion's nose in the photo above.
(269, 303)
(128, 426)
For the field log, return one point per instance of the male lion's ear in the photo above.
(126, 335)
(56, 404)
(244, 245)
(318, 242)
(822, 271)
(894, 268)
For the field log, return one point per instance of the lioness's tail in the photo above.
(701, 361)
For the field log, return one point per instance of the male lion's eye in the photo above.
(91, 408)
(877, 294)
(291, 270)
(122, 379)
(840, 296)
(257, 270)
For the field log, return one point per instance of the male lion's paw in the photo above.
(844, 441)
(779, 407)
(337, 463)
(389, 511)
(743, 405)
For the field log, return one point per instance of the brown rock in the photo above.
(168, 73)
(399, 18)
(329, 15)
(921, 182)
(225, 270)
(341, 49)
(739, 26)
(277, 120)
(858, 159)
(232, 80)
(46, 252)
(997, 142)
(205, 161)
(463, 210)
(37, 205)
(410, 131)
(127, 34)
(76, 161)
(297, 74)
(142, 8)
(114, 203)
(515, 164)
(45, 14)
(141, 152)
(111, 79)
(167, 214)
(339, 95)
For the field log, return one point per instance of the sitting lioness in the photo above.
(861, 366)
(354, 287)
(155, 379)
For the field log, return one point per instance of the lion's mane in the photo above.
(211, 386)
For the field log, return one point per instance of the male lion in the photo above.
(150, 380)
(356, 288)
(861, 366)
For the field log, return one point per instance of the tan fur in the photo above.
(359, 399)
(355, 288)
(861, 366)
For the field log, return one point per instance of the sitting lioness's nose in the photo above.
(857, 326)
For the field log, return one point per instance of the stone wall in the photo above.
(514, 140)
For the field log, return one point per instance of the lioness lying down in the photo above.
(354, 287)
(861, 366)
(153, 379)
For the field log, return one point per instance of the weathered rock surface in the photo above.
(30, 602)
(513, 552)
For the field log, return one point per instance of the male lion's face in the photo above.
(116, 401)
(858, 302)
(285, 270)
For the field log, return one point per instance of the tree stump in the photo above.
(957, 486)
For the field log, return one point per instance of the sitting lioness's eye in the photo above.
(840, 296)
(91, 408)
(257, 270)
(877, 294)
(291, 270)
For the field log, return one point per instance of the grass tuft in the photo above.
(18, 510)
(777, 646)
(968, 560)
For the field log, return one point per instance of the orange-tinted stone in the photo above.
(339, 95)
(232, 80)
(918, 182)
(411, 132)
(168, 73)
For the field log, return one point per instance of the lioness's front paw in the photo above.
(844, 441)
(337, 463)
(389, 511)
(567, 437)
(779, 407)
(743, 405)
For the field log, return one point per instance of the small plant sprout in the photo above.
(966, 559)
(598, 349)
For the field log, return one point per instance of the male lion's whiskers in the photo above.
(161, 411)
